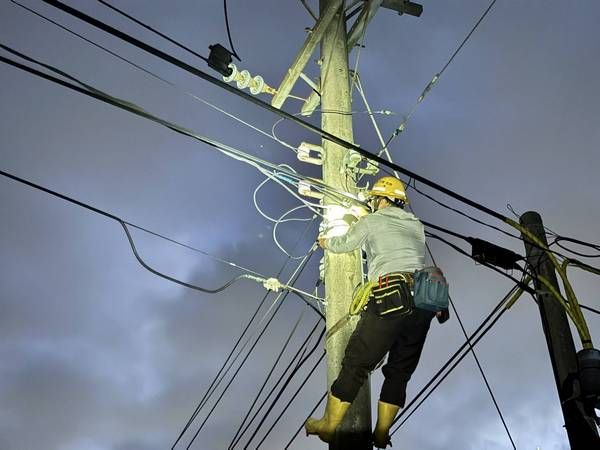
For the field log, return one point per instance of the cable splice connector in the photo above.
(272, 284)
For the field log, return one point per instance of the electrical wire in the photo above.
(233, 52)
(272, 370)
(436, 78)
(288, 404)
(153, 30)
(245, 424)
(284, 386)
(169, 83)
(282, 220)
(310, 11)
(558, 239)
(89, 90)
(229, 362)
(302, 424)
(279, 301)
(503, 305)
(479, 366)
(325, 135)
(124, 225)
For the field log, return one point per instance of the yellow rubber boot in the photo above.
(386, 412)
(326, 425)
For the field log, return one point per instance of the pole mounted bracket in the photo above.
(304, 153)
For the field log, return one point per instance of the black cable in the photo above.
(282, 389)
(153, 30)
(558, 239)
(209, 389)
(233, 52)
(489, 327)
(243, 427)
(414, 187)
(589, 309)
(110, 52)
(302, 424)
(90, 91)
(235, 373)
(469, 340)
(169, 278)
(472, 350)
(300, 268)
(92, 21)
(289, 403)
(214, 386)
(462, 44)
(124, 224)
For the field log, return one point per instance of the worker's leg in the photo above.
(404, 356)
(402, 362)
(368, 344)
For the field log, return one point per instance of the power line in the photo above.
(280, 176)
(153, 30)
(472, 350)
(302, 424)
(233, 52)
(288, 404)
(280, 300)
(124, 224)
(267, 106)
(497, 311)
(245, 424)
(285, 384)
(436, 78)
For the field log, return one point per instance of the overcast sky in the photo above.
(97, 353)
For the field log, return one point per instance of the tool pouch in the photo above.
(391, 299)
(431, 289)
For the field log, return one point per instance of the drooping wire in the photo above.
(233, 52)
(558, 239)
(153, 30)
(124, 225)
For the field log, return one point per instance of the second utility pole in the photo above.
(342, 271)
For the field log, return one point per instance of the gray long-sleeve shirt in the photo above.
(394, 240)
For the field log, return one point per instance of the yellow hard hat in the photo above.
(389, 187)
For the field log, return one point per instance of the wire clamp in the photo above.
(272, 284)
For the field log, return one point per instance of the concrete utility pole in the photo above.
(342, 271)
(581, 429)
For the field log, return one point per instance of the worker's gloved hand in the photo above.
(443, 315)
(321, 241)
(358, 211)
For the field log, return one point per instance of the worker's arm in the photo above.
(353, 239)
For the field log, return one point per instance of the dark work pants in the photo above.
(402, 335)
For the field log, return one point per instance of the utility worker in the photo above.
(394, 241)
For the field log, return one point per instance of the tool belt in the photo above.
(391, 294)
